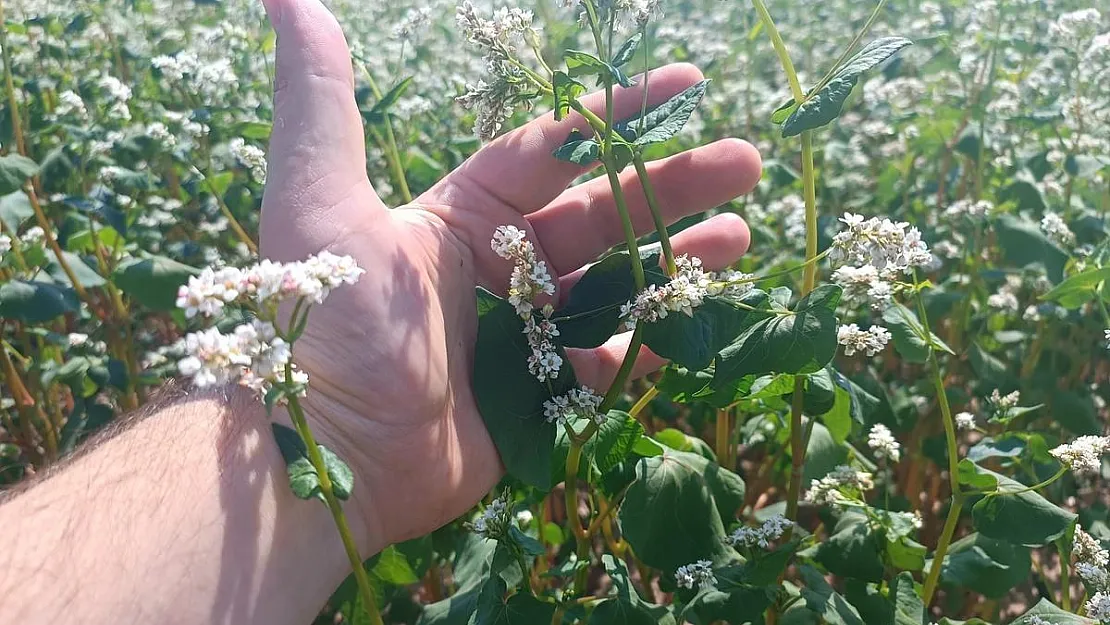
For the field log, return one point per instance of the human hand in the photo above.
(390, 359)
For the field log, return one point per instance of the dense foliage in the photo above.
(890, 412)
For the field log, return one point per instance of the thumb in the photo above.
(317, 152)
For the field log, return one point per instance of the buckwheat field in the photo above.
(891, 411)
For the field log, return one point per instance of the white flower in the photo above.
(544, 362)
(965, 421)
(1036, 620)
(76, 339)
(771, 530)
(524, 517)
(1106, 336)
(493, 522)
(883, 443)
(891, 247)
(6, 246)
(253, 355)
(863, 285)
(1098, 607)
(581, 402)
(698, 574)
(250, 156)
(870, 341)
(969, 208)
(842, 484)
(1083, 455)
(1093, 576)
(206, 294)
(686, 291)
(1056, 229)
(1087, 548)
(69, 103)
(33, 236)
(730, 283)
(530, 278)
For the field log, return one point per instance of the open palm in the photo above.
(390, 359)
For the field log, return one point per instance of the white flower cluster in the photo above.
(69, 103)
(1001, 404)
(1073, 30)
(6, 246)
(253, 355)
(544, 362)
(414, 23)
(1083, 455)
(529, 280)
(1057, 229)
(1106, 337)
(210, 78)
(771, 530)
(250, 156)
(33, 236)
(882, 442)
(685, 292)
(731, 283)
(698, 574)
(1098, 607)
(494, 520)
(580, 402)
(873, 253)
(118, 94)
(493, 101)
(842, 484)
(965, 421)
(973, 209)
(870, 341)
(862, 284)
(266, 283)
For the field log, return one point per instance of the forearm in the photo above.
(185, 517)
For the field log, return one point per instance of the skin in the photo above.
(185, 515)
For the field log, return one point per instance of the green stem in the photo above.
(797, 450)
(236, 227)
(626, 223)
(953, 453)
(570, 491)
(296, 413)
(780, 50)
(1065, 580)
(656, 213)
(392, 154)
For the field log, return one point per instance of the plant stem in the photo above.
(797, 451)
(296, 413)
(392, 154)
(1065, 580)
(570, 491)
(953, 454)
(644, 400)
(614, 392)
(9, 85)
(780, 50)
(656, 213)
(226, 210)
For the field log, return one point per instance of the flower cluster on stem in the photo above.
(841, 485)
(697, 574)
(762, 536)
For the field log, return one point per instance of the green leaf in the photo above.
(615, 440)
(909, 609)
(566, 90)
(819, 598)
(741, 604)
(687, 486)
(259, 131)
(1041, 520)
(986, 566)
(87, 276)
(1023, 243)
(627, 50)
(824, 106)
(520, 609)
(14, 171)
(693, 341)
(802, 342)
(392, 567)
(377, 113)
(15, 208)
(911, 339)
(1049, 613)
(153, 282)
(578, 149)
(667, 119)
(585, 64)
(1078, 289)
(627, 607)
(786, 110)
(592, 312)
(35, 302)
(304, 481)
(823, 454)
(510, 398)
(853, 550)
